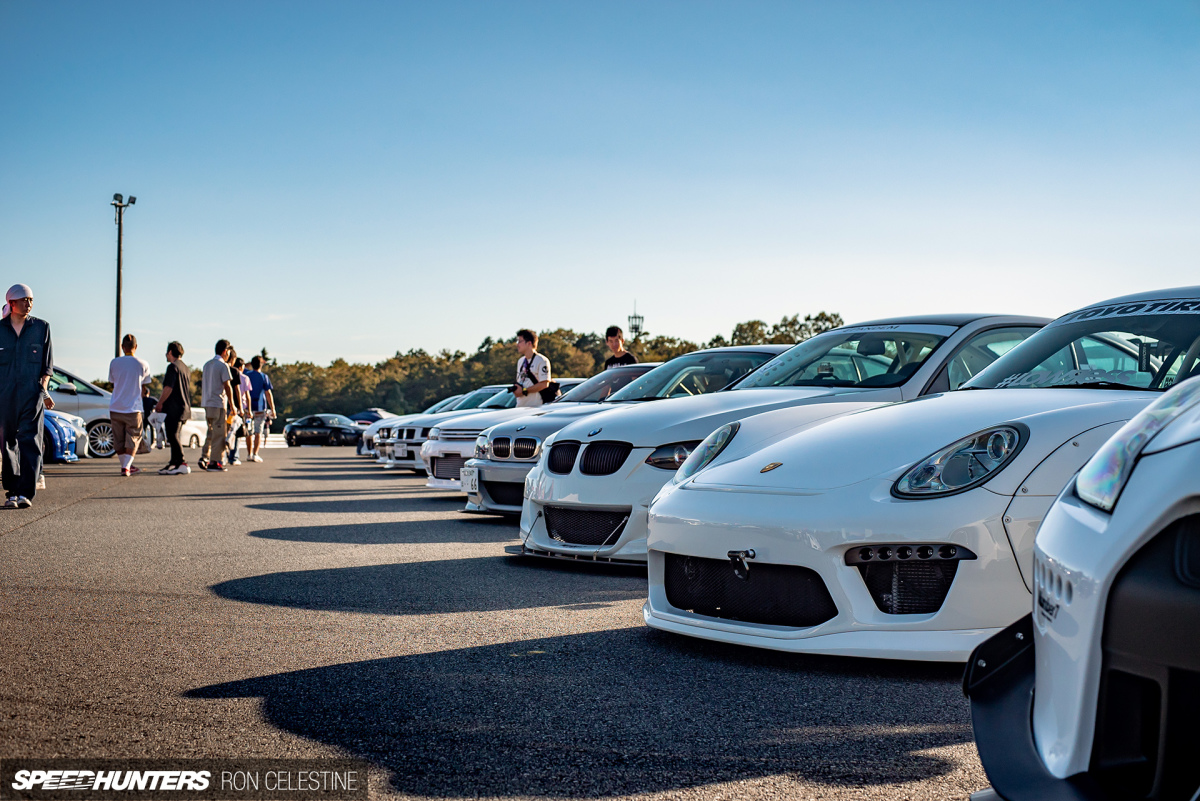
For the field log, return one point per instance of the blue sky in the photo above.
(351, 179)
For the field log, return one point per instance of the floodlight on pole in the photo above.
(118, 202)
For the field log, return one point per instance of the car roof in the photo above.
(957, 320)
(1177, 293)
(744, 349)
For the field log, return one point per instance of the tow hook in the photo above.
(738, 560)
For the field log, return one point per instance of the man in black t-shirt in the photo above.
(615, 338)
(176, 403)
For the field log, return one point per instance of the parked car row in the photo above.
(910, 488)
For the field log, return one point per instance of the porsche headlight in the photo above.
(962, 465)
(435, 434)
(670, 457)
(1101, 480)
(703, 454)
(481, 447)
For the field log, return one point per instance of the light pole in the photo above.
(119, 203)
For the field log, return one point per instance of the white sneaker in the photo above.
(41, 482)
(10, 502)
(235, 460)
(180, 470)
(256, 458)
(166, 470)
(23, 502)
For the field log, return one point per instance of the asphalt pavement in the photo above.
(316, 606)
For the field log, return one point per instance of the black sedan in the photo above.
(322, 429)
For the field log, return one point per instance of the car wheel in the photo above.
(100, 439)
(334, 439)
(194, 442)
(291, 442)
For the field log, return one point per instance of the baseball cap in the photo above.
(18, 291)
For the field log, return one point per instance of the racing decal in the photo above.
(1047, 609)
(1067, 378)
(1174, 306)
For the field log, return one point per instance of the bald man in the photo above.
(26, 363)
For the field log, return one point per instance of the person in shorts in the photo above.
(262, 405)
(128, 375)
(216, 396)
(533, 370)
(175, 405)
(615, 338)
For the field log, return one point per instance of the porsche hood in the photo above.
(883, 442)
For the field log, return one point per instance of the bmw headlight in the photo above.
(1101, 480)
(481, 447)
(704, 453)
(670, 457)
(435, 434)
(963, 465)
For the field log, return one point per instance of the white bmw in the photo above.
(1097, 693)
(906, 531)
(589, 494)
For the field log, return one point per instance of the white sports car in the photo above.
(906, 531)
(402, 447)
(1097, 693)
(589, 494)
(452, 443)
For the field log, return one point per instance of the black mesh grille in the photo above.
(776, 595)
(448, 466)
(506, 493)
(562, 457)
(524, 448)
(585, 526)
(604, 458)
(908, 588)
(500, 447)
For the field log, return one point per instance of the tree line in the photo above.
(412, 381)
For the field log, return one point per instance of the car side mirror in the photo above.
(67, 389)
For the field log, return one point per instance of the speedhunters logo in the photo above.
(112, 780)
(79, 779)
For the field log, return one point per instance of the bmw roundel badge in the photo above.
(595, 432)
(522, 428)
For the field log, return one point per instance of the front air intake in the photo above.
(505, 493)
(774, 595)
(596, 527)
(908, 578)
(562, 457)
(604, 458)
(448, 467)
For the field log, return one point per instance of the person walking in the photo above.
(26, 364)
(176, 406)
(128, 374)
(533, 370)
(216, 396)
(614, 337)
(241, 392)
(262, 405)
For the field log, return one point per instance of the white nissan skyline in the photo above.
(1095, 695)
(589, 494)
(906, 531)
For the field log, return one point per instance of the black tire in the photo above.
(291, 443)
(334, 439)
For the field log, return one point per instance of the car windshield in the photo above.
(442, 404)
(338, 420)
(602, 385)
(1125, 346)
(863, 356)
(692, 374)
(501, 400)
(474, 399)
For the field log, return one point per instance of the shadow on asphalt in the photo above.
(421, 503)
(485, 584)
(473, 529)
(620, 712)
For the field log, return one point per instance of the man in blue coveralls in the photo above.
(26, 362)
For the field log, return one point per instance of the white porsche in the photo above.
(906, 531)
(1095, 695)
(588, 495)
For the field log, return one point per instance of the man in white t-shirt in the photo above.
(127, 373)
(216, 396)
(533, 370)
